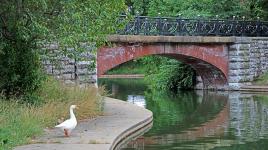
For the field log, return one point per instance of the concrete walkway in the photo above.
(120, 122)
(255, 88)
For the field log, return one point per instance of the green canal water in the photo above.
(196, 119)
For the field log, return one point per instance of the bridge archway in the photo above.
(210, 61)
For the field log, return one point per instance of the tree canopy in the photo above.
(66, 21)
(26, 24)
(251, 9)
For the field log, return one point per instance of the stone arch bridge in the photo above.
(227, 54)
(222, 62)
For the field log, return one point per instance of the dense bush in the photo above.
(169, 74)
(20, 69)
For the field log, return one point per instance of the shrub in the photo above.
(171, 75)
(20, 69)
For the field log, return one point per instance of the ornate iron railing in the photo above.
(171, 26)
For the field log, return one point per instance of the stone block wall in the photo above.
(68, 69)
(248, 59)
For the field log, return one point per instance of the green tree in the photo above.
(139, 7)
(226, 8)
(264, 8)
(27, 24)
(251, 9)
(190, 8)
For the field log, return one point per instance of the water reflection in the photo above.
(197, 120)
(248, 117)
(138, 100)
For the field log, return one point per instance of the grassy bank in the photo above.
(131, 67)
(262, 80)
(20, 122)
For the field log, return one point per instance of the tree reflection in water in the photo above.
(196, 119)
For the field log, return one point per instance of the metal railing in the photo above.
(172, 26)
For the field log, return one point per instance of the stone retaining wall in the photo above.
(68, 69)
(248, 59)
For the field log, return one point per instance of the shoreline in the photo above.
(245, 88)
(121, 122)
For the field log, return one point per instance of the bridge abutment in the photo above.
(248, 59)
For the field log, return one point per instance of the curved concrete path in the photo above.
(120, 121)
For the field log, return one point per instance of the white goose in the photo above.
(68, 125)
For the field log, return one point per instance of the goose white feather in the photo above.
(68, 125)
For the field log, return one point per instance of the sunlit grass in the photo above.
(262, 80)
(20, 122)
(130, 67)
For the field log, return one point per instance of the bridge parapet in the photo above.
(170, 39)
(176, 26)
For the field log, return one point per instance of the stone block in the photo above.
(82, 71)
(238, 59)
(235, 86)
(239, 79)
(48, 69)
(56, 72)
(239, 65)
(239, 72)
(244, 46)
(83, 64)
(68, 69)
(239, 53)
(254, 54)
(69, 76)
(234, 47)
(244, 40)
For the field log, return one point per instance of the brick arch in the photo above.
(209, 60)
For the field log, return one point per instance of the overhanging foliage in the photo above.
(26, 24)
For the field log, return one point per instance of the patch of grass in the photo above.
(131, 67)
(262, 80)
(19, 123)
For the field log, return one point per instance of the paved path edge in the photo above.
(142, 120)
(133, 131)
